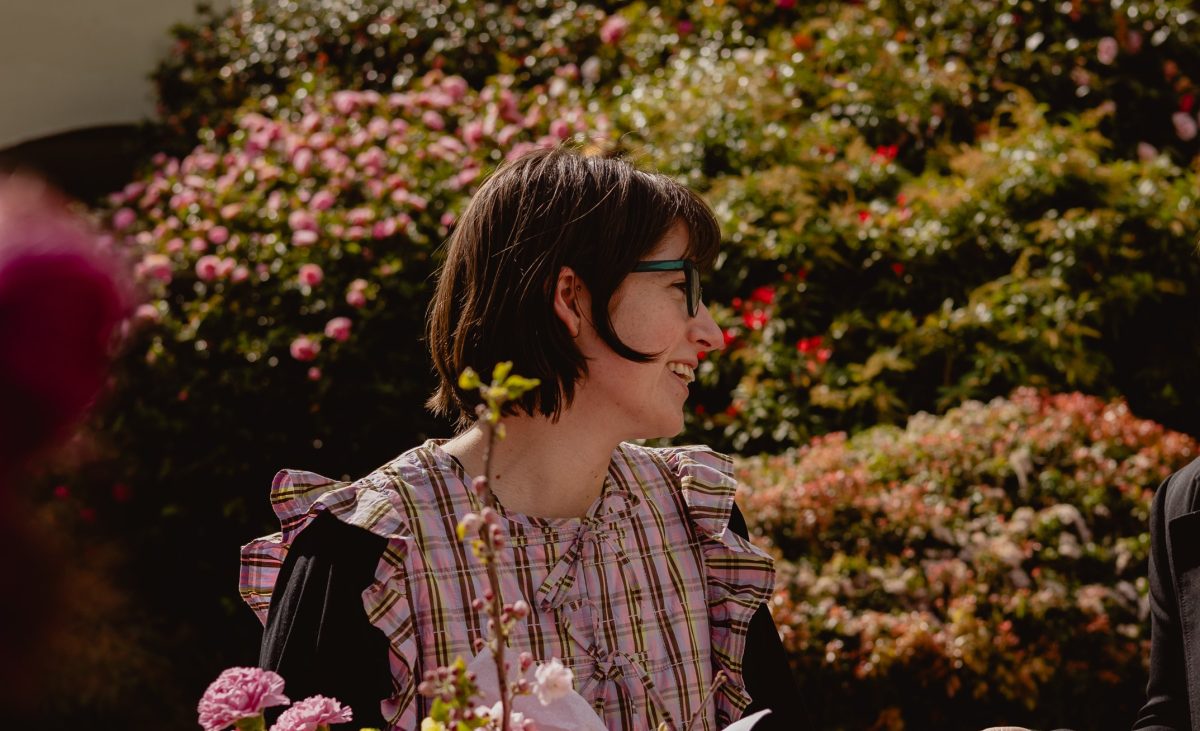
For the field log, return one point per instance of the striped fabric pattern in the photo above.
(644, 598)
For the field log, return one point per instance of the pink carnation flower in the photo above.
(312, 713)
(239, 693)
(304, 348)
(338, 329)
(311, 274)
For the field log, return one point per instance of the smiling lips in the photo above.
(685, 372)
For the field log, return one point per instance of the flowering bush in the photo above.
(982, 566)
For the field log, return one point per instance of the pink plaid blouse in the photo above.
(644, 598)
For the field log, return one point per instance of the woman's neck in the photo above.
(541, 468)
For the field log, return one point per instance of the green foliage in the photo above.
(984, 565)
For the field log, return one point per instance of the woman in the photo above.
(584, 272)
(1173, 693)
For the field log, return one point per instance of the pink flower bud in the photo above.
(304, 348)
(338, 329)
(314, 374)
(356, 298)
(560, 129)
(480, 485)
(520, 609)
(208, 268)
(311, 274)
(613, 29)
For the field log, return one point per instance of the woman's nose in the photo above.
(705, 331)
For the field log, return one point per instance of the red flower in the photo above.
(729, 336)
(823, 355)
(62, 492)
(902, 200)
(1186, 102)
(737, 302)
(700, 410)
(802, 274)
(898, 269)
(864, 216)
(808, 345)
(755, 319)
(763, 294)
(121, 492)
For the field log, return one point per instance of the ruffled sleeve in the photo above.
(297, 498)
(740, 575)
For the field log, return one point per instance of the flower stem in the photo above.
(501, 638)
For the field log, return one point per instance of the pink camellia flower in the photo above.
(302, 160)
(1106, 50)
(552, 681)
(312, 713)
(208, 267)
(239, 274)
(226, 267)
(304, 348)
(198, 244)
(345, 102)
(1185, 125)
(383, 229)
(323, 200)
(123, 218)
(239, 693)
(338, 329)
(302, 221)
(360, 216)
(613, 29)
(304, 238)
(433, 120)
(155, 266)
(311, 274)
(560, 128)
(175, 245)
(455, 86)
(218, 235)
(147, 313)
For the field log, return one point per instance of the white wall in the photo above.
(70, 64)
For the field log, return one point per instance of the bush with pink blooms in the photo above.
(983, 565)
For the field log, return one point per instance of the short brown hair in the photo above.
(548, 209)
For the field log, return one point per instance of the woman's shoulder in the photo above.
(695, 476)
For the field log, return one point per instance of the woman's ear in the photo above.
(569, 294)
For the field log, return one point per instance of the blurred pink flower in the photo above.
(155, 266)
(198, 244)
(360, 216)
(383, 229)
(338, 329)
(613, 29)
(433, 120)
(239, 274)
(302, 221)
(323, 200)
(345, 102)
(123, 218)
(304, 238)
(1146, 151)
(147, 313)
(302, 160)
(312, 713)
(1185, 125)
(1106, 50)
(311, 274)
(560, 129)
(208, 267)
(239, 693)
(455, 86)
(304, 348)
(218, 235)
(1133, 41)
(314, 374)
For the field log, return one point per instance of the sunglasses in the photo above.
(691, 275)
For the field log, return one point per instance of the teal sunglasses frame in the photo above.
(691, 277)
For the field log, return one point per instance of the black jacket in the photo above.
(319, 639)
(1173, 693)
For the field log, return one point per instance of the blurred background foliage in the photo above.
(923, 203)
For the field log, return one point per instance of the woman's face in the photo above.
(649, 313)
